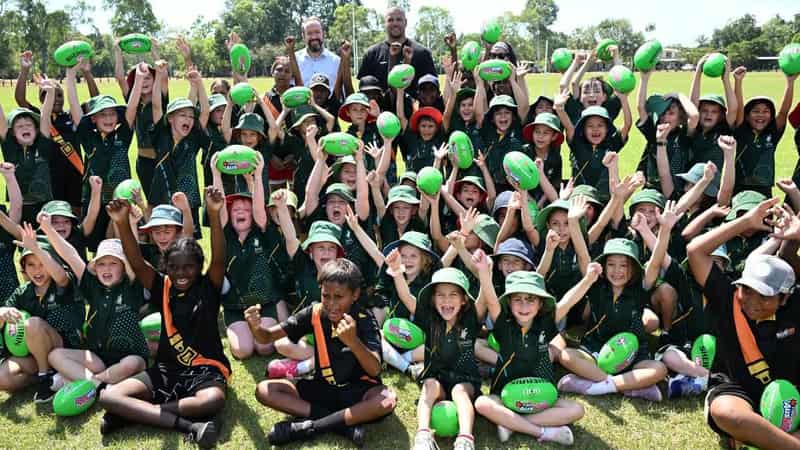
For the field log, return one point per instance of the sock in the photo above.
(702, 381)
(602, 387)
(305, 366)
(409, 356)
(393, 357)
(329, 422)
(41, 374)
(182, 425)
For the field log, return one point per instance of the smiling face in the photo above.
(413, 259)
(34, 270)
(595, 130)
(106, 120)
(466, 109)
(524, 307)
(543, 136)
(757, 306)
(322, 252)
(348, 175)
(650, 211)
(395, 23)
(502, 117)
(509, 264)
(282, 73)
(58, 100)
(402, 212)
(618, 270)
(25, 130)
(109, 270)
(313, 36)
(181, 121)
(164, 235)
(358, 113)
(543, 106)
(241, 215)
(469, 195)
(335, 208)
(62, 225)
(759, 117)
(710, 115)
(183, 269)
(426, 128)
(337, 299)
(592, 93)
(448, 299)
(557, 221)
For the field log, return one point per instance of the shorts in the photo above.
(721, 384)
(169, 384)
(641, 355)
(686, 349)
(333, 398)
(233, 315)
(449, 379)
(111, 358)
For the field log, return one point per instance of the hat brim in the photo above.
(120, 110)
(157, 222)
(527, 133)
(518, 255)
(348, 197)
(91, 265)
(303, 118)
(638, 265)
(425, 111)
(323, 237)
(757, 285)
(739, 208)
(410, 201)
(396, 244)
(548, 301)
(426, 292)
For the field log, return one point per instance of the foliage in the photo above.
(433, 23)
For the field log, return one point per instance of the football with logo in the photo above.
(789, 59)
(339, 143)
(529, 395)
(240, 58)
(779, 404)
(135, 43)
(714, 65)
(444, 419)
(494, 70)
(401, 76)
(126, 188)
(429, 180)
(520, 168)
(151, 327)
(67, 54)
(618, 353)
(74, 398)
(242, 93)
(460, 146)
(704, 349)
(296, 96)
(14, 335)
(621, 79)
(388, 125)
(402, 333)
(237, 160)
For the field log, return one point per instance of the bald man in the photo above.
(315, 58)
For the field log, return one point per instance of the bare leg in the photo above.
(736, 417)
(564, 412)
(282, 395)
(41, 339)
(299, 351)
(581, 364)
(664, 301)
(240, 340)
(379, 401)
(678, 362)
(649, 320)
(283, 311)
(484, 353)
(644, 374)
(462, 396)
(124, 369)
(264, 349)
(430, 393)
(75, 364)
(17, 373)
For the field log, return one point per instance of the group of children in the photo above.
(311, 254)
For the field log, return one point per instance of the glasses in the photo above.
(499, 55)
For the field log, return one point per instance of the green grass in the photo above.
(610, 422)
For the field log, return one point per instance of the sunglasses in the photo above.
(499, 55)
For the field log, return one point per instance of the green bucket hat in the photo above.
(544, 214)
(471, 179)
(594, 111)
(647, 196)
(291, 198)
(657, 104)
(486, 229)
(528, 283)
(59, 208)
(464, 93)
(44, 245)
(353, 99)
(695, 174)
(301, 113)
(179, 103)
(502, 100)
(590, 192)
(324, 231)
(416, 239)
(744, 201)
(714, 98)
(621, 246)
(751, 102)
(341, 190)
(449, 275)
(408, 175)
(401, 193)
(549, 120)
(164, 215)
(101, 103)
(251, 122)
(216, 101)
(341, 161)
(16, 113)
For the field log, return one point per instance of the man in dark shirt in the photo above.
(396, 49)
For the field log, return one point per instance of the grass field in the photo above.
(610, 422)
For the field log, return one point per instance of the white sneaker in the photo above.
(503, 433)
(424, 441)
(415, 370)
(57, 383)
(463, 443)
(560, 435)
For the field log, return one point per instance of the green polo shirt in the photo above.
(8, 273)
(388, 228)
(386, 294)
(370, 134)
(496, 146)
(112, 324)
(690, 320)
(176, 169)
(216, 143)
(471, 129)
(609, 317)
(586, 160)
(679, 155)
(705, 147)
(523, 353)
(305, 280)
(755, 157)
(59, 306)
(574, 107)
(248, 270)
(564, 272)
(151, 254)
(304, 163)
(740, 247)
(553, 167)
(418, 153)
(104, 156)
(33, 166)
(279, 263)
(144, 125)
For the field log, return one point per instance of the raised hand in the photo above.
(482, 262)
(394, 266)
(551, 240)
(469, 219)
(214, 199)
(669, 216)
(118, 210)
(610, 159)
(577, 208)
(593, 271)
(26, 59)
(662, 131)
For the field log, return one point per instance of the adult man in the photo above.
(396, 49)
(315, 58)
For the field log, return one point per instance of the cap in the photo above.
(320, 79)
(164, 215)
(768, 275)
(369, 83)
(428, 78)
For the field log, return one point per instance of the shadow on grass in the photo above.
(169, 440)
(14, 402)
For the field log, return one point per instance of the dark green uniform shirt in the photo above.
(59, 307)
(386, 294)
(176, 169)
(574, 107)
(417, 152)
(496, 146)
(609, 317)
(304, 163)
(370, 135)
(144, 125)
(755, 157)
(564, 272)
(248, 270)
(33, 166)
(105, 156)
(388, 228)
(690, 319)
(8, 273)
(587, 160)
(305, 280)
(740, 247)
(216, 143)
(705, 147)
(553, 167)
(679, 155)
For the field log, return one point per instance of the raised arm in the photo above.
(738, 79)
(88, 78)
(730, 96)
(395, 269)
(566, 79)
(319, 173)
(47, 108)
(483, 263)
(574, 295)
(728, 146)
(296, 75)
(72, 95)
(25, 64)
(659, 259)
(119, 69)
(286, 224)
(118, 211)
(692, 114)
(262, 334)
(400, 109)
(14, 193)
(435, 225)
(344, 77)
(786, 104)
(95, 202)
(566, 122)
(52, 267)
(641, 103)
(526, 218)
(577, 209)
(662, 160)
(480, 101)
(693, 195)
(155, 102)
(453, 86)
(366, 242)
(215, 201)
(180, 201)
(362, 187)
(227, 113)
(63, 248)
(260, 217)
(627, 117)
(697, 78)
(520, 95)
(196, 81)
(576, 82)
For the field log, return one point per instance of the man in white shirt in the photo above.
(315, 58)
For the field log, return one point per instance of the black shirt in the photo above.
(376, 62)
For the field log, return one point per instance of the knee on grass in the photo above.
(728, 413)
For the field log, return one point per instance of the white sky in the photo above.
(677, 21)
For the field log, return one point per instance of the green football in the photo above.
(789, 59)
(240, 58)
(704, 349)
(494, 70)
(135, 43)
(444, 419)
(151, 327)
(339, 143)
(647, 55)
(401, 76)
(296, 96)
(429, 180)
(520, 168)
(602, 49)
(124, 189)
(621, 79)
(14, 336)
(779, 404)
(561, 59)
(388, 125)
(529, 395)
(491, 31)
(74, 398)
(470, 55)
(492, 342)
(67, 54)
(402, 333)
(237, 160)
(618, 353)
(460, 146)
(242, 93)
(714, 66)
(309, 338)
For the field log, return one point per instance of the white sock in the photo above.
(561, 435)
(702, 381)
(393, 357)
(408, 356)
(305, 366)
(602, 387)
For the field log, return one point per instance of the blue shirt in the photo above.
(327, 63)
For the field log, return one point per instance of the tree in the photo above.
(132, 16)
(621, 31)
(538, 15)
(738, 30)
(368, 27)
(402, 4)
(433, 23)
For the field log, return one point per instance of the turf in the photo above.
(610, 422)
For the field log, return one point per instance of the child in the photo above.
(592, 137)
(516, 214)
(66, 224)
(115, 345)
(419, 141)
(758, 129)
(217, 142)
(249, 131)
(525, 311)
(459, 109)
(346, 390)
(428, 93)
(544, 138)
(447, 313)
(48, 295)
(188, 381)
(500, 130)
(167, 223)
(9, 230)
(614, 306)
(753, 318)
(717, 116)
(741, 245)
(303, 134)
(401, 215)
(592, 92)
(361, 114)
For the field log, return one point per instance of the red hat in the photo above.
(131, 76)
(425, 111)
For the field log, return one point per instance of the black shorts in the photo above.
(448, 380)
(111, 358)
(233, 315)
(333, 398)
(721, 384)
(174, 383)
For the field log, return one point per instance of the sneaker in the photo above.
(464, 443)
(503, 433)
(651, 393)
(110, 423)
(560, 435)
(415, 370)
(43, 392)
(357, 434)
(282, 368)
(57, 382)
(286, 432)
(573, 383)
(424, 441)
(204, 434)
(681, 386)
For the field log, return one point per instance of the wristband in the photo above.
(660, 143)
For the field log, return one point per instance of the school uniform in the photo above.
(59, 307)
(679, 157)
(553, 167)
(105, 156)
(389, 232)
(8, 273)
(689, 319)
(470, 129)
(386, 294)
(369, 135)
(755, 157)
(574, 107)
(740, 247)
(33, 171)
(496, 146)
(704, 145)
(146, 153)
(586, 160)
(62, 172)
(417, 152)
(563, 275)
(304, 163)
(307, 289)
